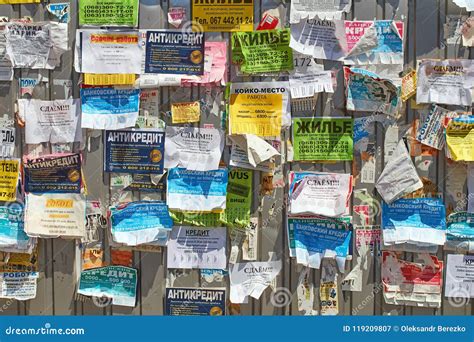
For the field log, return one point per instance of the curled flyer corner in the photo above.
(366, 42)
(258, 150)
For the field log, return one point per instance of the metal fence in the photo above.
(424, 22)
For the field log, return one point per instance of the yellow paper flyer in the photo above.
(8, 180)
(460, 140)
(109, 79)
(11, 2)
(222, 17)
(185, 112)
(258, 114)
(408, 85)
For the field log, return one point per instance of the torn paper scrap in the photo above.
(328, 292)
(176, 16)
(239, 158)
(410, 283)
(305, 292)
(251, 279)
(367, 241)
(60, 11)
(258, 150)
(399, 176)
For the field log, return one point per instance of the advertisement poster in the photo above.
(431, 132)
(445, 81)
(18, 285)
(53, 215)
(412, 283)
(257, 88)
(182, 301)
(460, 232)
(7, 142)
(414, 220)
(36, 45)
(460, 138)
(193, 148)
(256, 114)
(57, 121)
(108, 108)
(320, 193)
(389, 41)
(366, 91)
(108, 12)
(53, 174)
(222, 17)
(12, 233)
(263, 51)
(200, 191)
(341, 223)
(215, 66)
(322, 139)
(323, 39)
(137, 223)
(116, 282)
(21, 262)
(313, 242)
(459, 276)
(134, 151)
(9, 175)
(251, 279)
(174, 52)
(185, 112)
(110, 52)
(237, 209)
(195, 247)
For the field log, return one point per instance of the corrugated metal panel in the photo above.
(424, 24)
